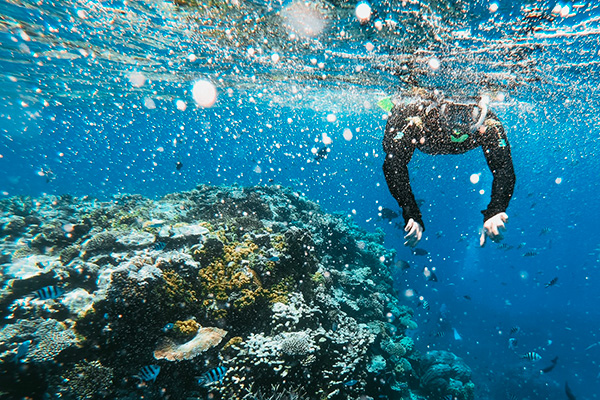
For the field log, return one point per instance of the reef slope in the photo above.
(254, 289)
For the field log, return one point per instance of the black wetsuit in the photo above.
(445, 128)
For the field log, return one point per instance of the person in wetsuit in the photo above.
(443, 127)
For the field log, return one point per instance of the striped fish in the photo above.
(531, 356)
(160, 246)
(212, 376)
(148, 373)
(49, 292)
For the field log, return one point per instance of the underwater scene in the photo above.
(299, 199)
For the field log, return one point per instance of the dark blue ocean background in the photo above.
(81, 118)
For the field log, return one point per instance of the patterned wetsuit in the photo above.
(445, 128)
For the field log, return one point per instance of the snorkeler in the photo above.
(438, 126)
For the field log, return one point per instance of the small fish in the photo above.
(514, 330)
(466, 296)
(512, 343)
(274, 258)
(22, 351)
(531, 253)
(351, 382)
(420, 252)
(568, 392)
(322, 153)
(388, 214)
(552, 282)
(160, 246)
(512, 396)
(550, 367)
(449, 397)
(456, 334)
(531, 356)
(504, 246)
(425, 305)
(429, 275)
(403, 265)
(49, 293)
(148, 373)
(212, 376)
(179, 165)
(46, 172)
(439, 334)
(168, 327)
(439, 234)
(545, 231)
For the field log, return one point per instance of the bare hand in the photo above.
(415, 232)
(493, 228)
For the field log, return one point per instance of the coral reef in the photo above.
(292, 302)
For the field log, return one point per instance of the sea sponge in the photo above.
(205, 339)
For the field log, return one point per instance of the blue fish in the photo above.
(148, 373)
(168, 327)
(274, 259)
(351, 382)
(212, 376)
(160, 246)
(49, 293)
(22, 351)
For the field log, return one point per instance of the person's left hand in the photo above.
(493, 227)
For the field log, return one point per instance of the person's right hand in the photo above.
(415, 232)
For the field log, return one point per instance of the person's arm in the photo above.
(497, 154)
(395, 169)
(399, 150)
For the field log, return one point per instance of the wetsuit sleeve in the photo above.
(399, 149)
(497, 154)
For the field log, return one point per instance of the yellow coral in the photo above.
(279, 243)
(234, 341)
(177, 290)
(186, 328)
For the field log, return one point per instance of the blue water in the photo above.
(67, 104)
